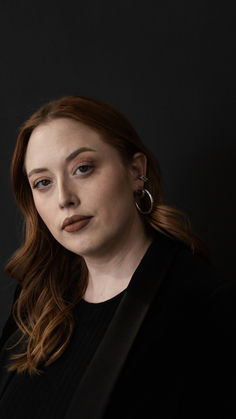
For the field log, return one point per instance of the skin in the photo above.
(92, 183)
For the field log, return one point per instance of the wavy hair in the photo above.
(47, 272)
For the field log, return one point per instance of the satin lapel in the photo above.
(92, 395)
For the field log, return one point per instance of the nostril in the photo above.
(67, 204)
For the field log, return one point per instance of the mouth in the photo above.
(75, 223)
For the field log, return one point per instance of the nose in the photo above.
(67, 196)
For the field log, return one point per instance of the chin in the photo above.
(81, 249)
(91, 244)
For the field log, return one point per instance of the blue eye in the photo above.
(84, 168)
(41, 184)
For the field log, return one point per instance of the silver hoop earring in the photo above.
(143, 192)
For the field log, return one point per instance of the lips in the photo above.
(76, 222)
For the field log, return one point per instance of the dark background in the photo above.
(168, 66)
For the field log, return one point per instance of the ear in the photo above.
(138, 166)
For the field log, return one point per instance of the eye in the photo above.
(41, 184)
(84, 168)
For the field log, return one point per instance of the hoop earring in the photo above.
(143, 191)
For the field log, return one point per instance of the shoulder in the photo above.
(197, 286)
(193, 291)
(191, 280)
(194, 273)
(186, 272)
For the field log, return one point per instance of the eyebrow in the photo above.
(67, 159)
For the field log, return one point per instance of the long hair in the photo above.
(52, 279)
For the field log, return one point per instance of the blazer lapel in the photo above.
(104, 368)
(92, 395)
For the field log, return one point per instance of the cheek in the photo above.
(45, 212)
(114, 197)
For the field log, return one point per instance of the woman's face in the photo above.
(73, 173)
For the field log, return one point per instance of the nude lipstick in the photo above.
(75, 223)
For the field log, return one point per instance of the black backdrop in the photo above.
(168, 66)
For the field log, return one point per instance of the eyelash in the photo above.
(83, 165)
(36, 185)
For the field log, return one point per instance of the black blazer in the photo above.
(181, 363)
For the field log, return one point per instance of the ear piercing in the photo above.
(142, 177)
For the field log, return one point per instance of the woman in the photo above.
(116, 304)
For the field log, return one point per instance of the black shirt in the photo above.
(48, 395)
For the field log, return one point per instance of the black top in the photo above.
(181, 364)
(48, 395)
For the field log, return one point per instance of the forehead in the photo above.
(56, 139)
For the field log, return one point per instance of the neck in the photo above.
(111, 273)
